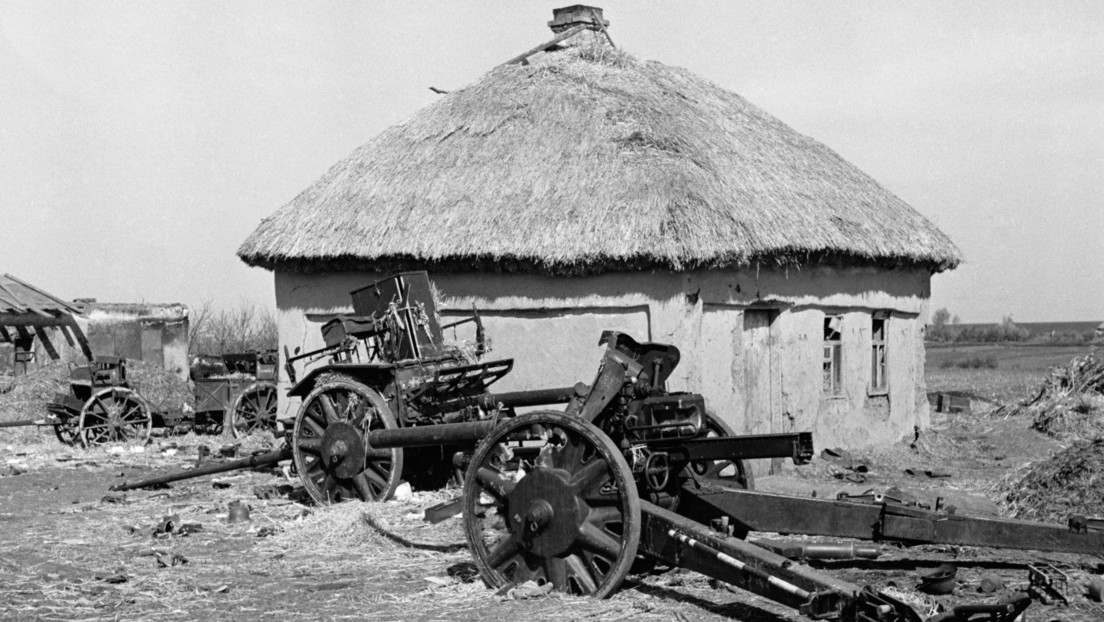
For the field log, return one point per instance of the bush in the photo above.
(976, 361)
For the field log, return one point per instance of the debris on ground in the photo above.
(1070, 401)
(1070, 483)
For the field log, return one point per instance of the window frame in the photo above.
(879, 365)
(832, 356)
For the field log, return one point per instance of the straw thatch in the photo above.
(590, 160)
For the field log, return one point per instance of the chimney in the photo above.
(577, 15)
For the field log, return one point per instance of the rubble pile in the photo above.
(1070, 402)
(25, 396)
(163, 390)
(1070, 483)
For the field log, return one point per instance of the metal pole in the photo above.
(271, 457)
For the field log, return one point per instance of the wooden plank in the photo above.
(567, 34)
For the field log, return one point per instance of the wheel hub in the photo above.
(547, 515)
(343, 450)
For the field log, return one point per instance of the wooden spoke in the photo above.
(325, 402)
(311, 445)
(582, 576)
(494, 483)
(503, 552)
(597, 540)
(590, 477)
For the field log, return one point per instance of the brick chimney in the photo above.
(577, 15)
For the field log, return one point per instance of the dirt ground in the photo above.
(68, 551)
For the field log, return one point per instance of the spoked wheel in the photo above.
(113, 415)
(66, 432)
(330, 449)
(254, 410)
(735, 472)
(550, 498)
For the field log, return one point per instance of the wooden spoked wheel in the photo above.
(330, 449)
(550, 498)
(254, 410)
(115, 414)
(734, 472)
(66, 431)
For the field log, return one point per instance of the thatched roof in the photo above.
(589, 160)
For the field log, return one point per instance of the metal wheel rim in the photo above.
(590, 545)
(115, 414)
(255, 409)
(380, 475)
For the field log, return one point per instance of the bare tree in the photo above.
(240, 329)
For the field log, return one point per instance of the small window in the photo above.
(878, 376)
(832, 348)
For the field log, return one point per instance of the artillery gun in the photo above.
(628, 469)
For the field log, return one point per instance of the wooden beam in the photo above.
(46, 343)
(5, 336)
(602, 25)
(78, 334)
(68, 336)
(567, 34)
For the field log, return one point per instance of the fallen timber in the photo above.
(256, 460)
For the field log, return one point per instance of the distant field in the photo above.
(1019, 368)
(1045, 328)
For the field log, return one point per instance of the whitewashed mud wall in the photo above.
(751, 341)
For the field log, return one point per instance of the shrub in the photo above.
(977, 361)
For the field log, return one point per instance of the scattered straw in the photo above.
(1072, 482)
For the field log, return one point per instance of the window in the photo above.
(878, 377)
(832, 348)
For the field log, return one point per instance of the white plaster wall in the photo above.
(551, 327)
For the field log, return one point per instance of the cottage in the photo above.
(583, 189)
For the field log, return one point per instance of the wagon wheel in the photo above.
(331, 454)
(66, 431)
(735, 472)
(254, 410)
(550, 498)
(114, 414)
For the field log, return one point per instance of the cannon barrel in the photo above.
(21, 423)
(431, 435)
(510, 399)
(272, 457)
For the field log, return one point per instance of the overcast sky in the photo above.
(140, 143)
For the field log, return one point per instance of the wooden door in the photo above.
(761, 373)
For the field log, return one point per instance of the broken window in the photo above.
(878, 375)
(833, 343)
